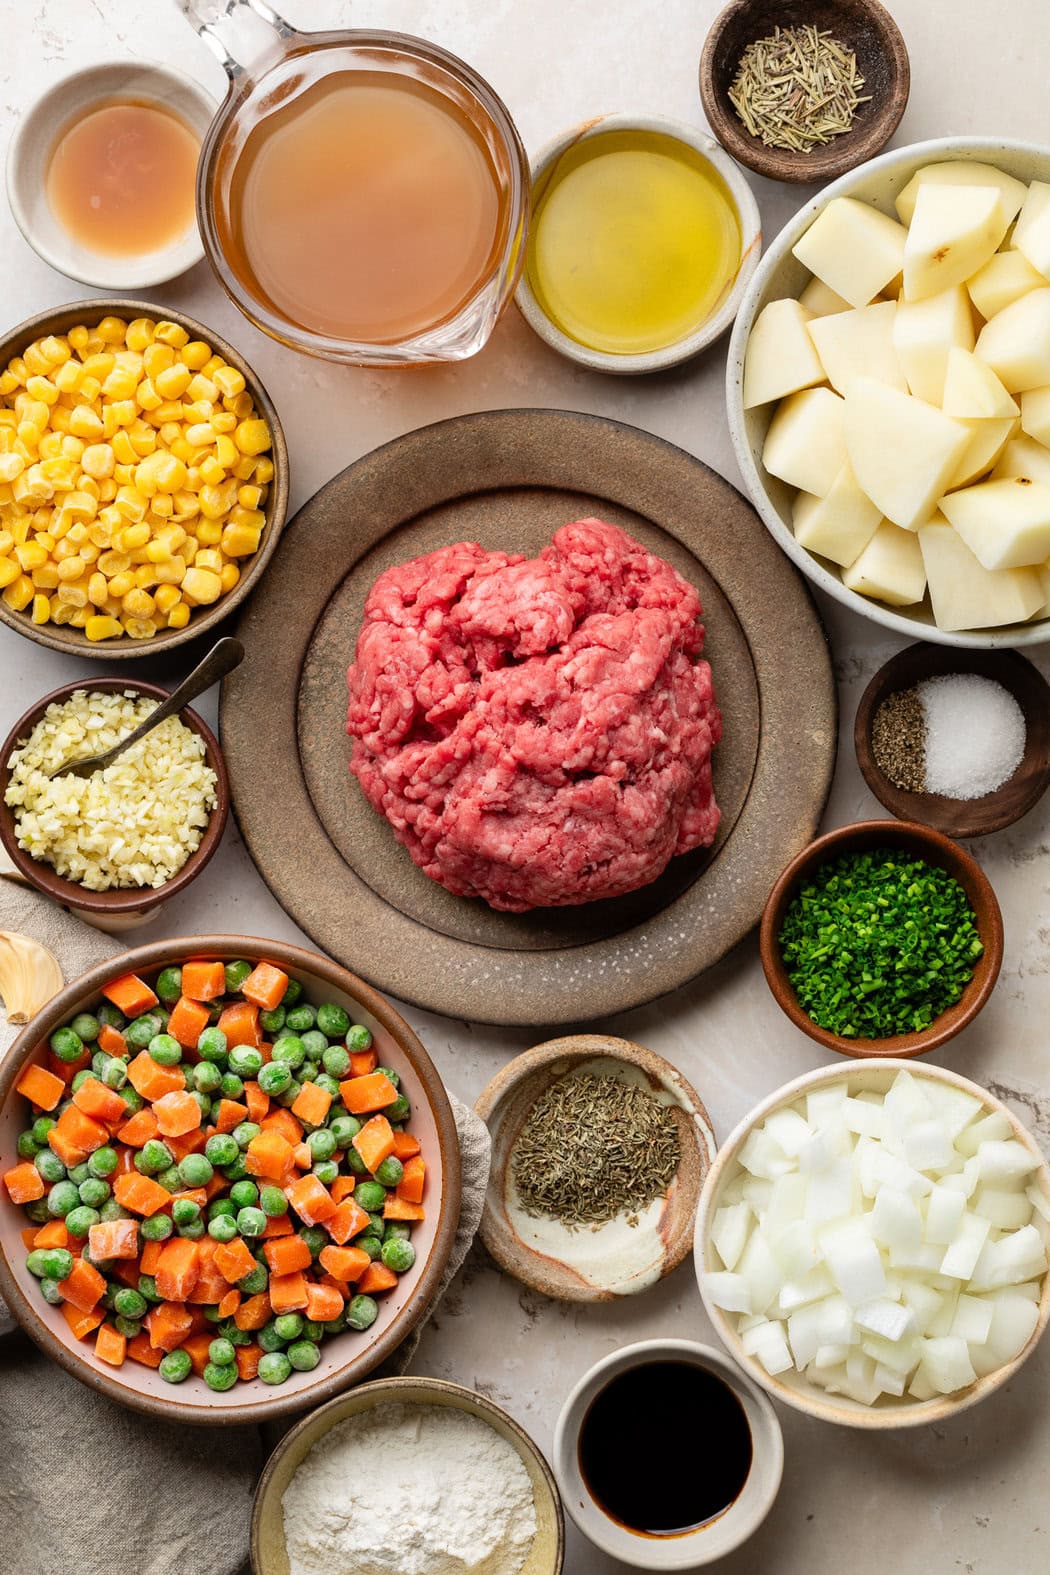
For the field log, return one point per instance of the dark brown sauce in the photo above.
(632, 1457)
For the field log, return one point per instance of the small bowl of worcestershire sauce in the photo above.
(101, 174)
(693, 1505)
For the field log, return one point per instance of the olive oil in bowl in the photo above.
(635, 241)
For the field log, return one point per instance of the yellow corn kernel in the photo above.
(60, 526)
(41, 609)
(229, 576)
(79, 617)
(19, 593)
(140, 628)
(98, 589)
(60, 419)
(196, 354)
(139, 334)
(226, 451)
(146, 576)
(68, 377)
(131, 537)
(137, 604)
(9, 571)
(78, 338)
(212, 473)
(209, 532)
(60, 613)
(173, 382)
(241, 405)
(100, 532)
(201, 434)
(123, 453)
(217, 501)
(54, 350)
(84, 423)
(130, 504)
(80, 505)
(171, 572)
(255, 519)
(228, 380)
(114, 563)
(244, 469)
(249, 496)
(44, 537)
(124, 412)
(8, 383)
(240, 540)
(31, 555)
(179, 616)
(223, 421)
(89, 390)
(62, 473)
(143, 441)
(107, 490)
(99, 365)
(45, 578)
(98, 460)
(99, 627)
(19, 527)
(161, 509)
(201, 387)
(35, 412)
(263, 470)
(71, 568)
(11, 466)
(157, 358)
(32, 486)
(88, 551)
(35, 362)
(120, 384)
(187, 504)
(167, 597)
(63, 549)
(72, 447)
(171, 334)
(112, 330)
(189, 550)
(202, 586)
(121, 584)
(210, 558)
(7, 541)
(72, 595)
(44, 390)
(19, 371)
(169, 431)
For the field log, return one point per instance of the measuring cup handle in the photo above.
(238, 32)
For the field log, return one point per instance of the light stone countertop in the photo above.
(969, 1497)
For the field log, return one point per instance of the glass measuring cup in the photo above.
(448, 303)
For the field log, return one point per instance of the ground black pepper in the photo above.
(898, 740)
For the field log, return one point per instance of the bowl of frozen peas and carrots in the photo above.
(230, 1179)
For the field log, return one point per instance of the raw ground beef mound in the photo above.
(537, 733)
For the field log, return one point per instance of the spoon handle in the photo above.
(223, 657)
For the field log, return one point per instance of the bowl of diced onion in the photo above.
(871, 1244)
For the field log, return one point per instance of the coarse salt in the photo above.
(975, 735)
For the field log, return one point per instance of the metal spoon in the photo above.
(220, 660)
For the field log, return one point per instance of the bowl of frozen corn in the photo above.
(143, 478)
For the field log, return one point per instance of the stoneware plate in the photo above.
(509, 479)
(347, 1358)
(269, 1553)
(619, 1258)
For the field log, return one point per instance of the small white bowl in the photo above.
(30, 153)
(720, 319)
(716, 1537)
(792, 1387)
(781, 274)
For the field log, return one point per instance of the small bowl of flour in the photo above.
(407, 1476)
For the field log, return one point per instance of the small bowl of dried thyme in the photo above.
(599, 1151)
(804, 90)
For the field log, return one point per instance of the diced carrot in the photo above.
(278, 1225)
(80, 1130)
(140, 1194)
(265, 985)
(41, 1087)
(288, 1292)
(217, 1183)
(110, 1346)
(303, 1155)
(148, 1078)
(83, 1285)
(169, 1323)
(282, 1121)
(177, 1269)
(266, 1051)
(151, 1256)
(248, 1358)
(233, 1260)
(377, 1277)
(310, 1200)
(396, 1208)
(258, 1103)
(188, 1021)
(125, 1160)
(212, 1284)
(410, 1187)
(405, 1145)
(198, 1195)
(229, 1114)
(203, 981)
(240, 1024)
(177, 1113)
(187, 1143)
(80, 1322)
(127, 1271)
(348, 1220)
(344, 1263)
(130, 995)
(68, 1152)
(312, 1104)
(28, 1235)
(196, 1345)
(254, 1312)
(53, 1234)
(114, 1239)
(363, 1094)
(140, 1350)
(342, 1187)
(362, 1062)
(24, 1183)
(375, 1142)
(285, 1254)
(139, 1128)
(268, 1155)
(229, 1302)
(112, 1041)
(67, 1070)
(323, 1302)
(99, 1102)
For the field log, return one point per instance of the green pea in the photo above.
(362, 1312)
(398, 1110)
(273, 1202)
(165, 1050)
(237, 1171)
(232, 1086)
(272, 1021)
(62, 1198)
(359, 1038)
(78, 1173)
(128, 1327)
(203, 1102)
(157, 1228)
(275, 1077)
(184, 1211)
(66, 1043)
(229, 1331)
(243, 1194)
(243, 1134)
(322, 1143)
(83, 1076)
(344, 1129)
(326, 1171)
(312, 1330)
(289, 1325)
(251, 1221)
(303, 1356)
(315, 1238)
(219, 1377)
(50, 1263)
(147, 1287)
(27, 1146)
(314, 1044)
(292, 993)
(195, 1170)
(221, 1148)
(268, 1338)
(49, 1165)
(221, 1351)
(236, 973)
(274, 1367)
(336, 1061)
(354, 1163)
(396, 1230)
(376, 1223)
(132, 1098)
(335, 1325)
(223, 1227)
(212, 1044)
(289, 1049)
(206, 1077)
(41, 1127)
(390, 1171)
(170, 1178)
(114, 1074)
(36, 1211)
(142, 1030)
(154, 1156)
(398, 1255)
(245, 1061)
(291, 1094)
(86, 1026)
(103, 1162)
(255, 1281)
(98, 1061)
(175, 1367)
(111, 1210)
(329, 1084)
(193, 1231)
(109, 1015)
(301, 1017)
(94, 1192)
(169, 985)
(370, 1195)
(332, 1020)
(51, 1291)
(129, 1303)
(219, 1206)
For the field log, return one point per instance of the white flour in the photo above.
(410, 1490)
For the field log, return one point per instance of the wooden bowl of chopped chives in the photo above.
(804, 90)
(883, 938)
(599, 1151)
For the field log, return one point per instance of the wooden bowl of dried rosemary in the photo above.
(804, 90)
(599, 1151)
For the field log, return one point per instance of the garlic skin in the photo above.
(29, 976)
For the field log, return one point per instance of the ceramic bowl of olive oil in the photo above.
(644, 235)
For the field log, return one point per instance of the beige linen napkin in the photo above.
(88, 1486)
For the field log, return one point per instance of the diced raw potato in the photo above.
(928, 1145)
(973, 1319)
(889, 569)
(966, 595)
(953, 232)
(988, 439)
(1003, 1161)
(864, 1117)
(788, 1129)
(1014, 1320)
(1023, 457)
(860, 343)
(1035, 415)
(762, 1156)
(759, 1269)
(824, 1106)
(992, 1126)
(853, 248)
(1005, 524)
(769, 1344)
(1016, 342)
(806, 1291)
(889, 1320)
(780, 356)
(831, 1193)
(1002, 281)
(730, 1229)
(920, 1387)
(963, 172)
(923, 334)
(889, 1382)
(820, 301)
(924, 1302)
(805, 445)
(895, 1219)
(960, 1258)
(972, 389)
(1032, 233)
(945, 1208)
(795, 1249)
(803, 1334)
(838, 526)
(855, 1265)
(946, 1364)
(1039, 1200)
(731, 1292)
(902, 450)
(1006, 1210)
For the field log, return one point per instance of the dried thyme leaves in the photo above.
(593, 1147)
(797, 89)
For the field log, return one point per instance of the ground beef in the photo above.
(537, 733)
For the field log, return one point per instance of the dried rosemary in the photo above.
(797, 89)
(593, 1147)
